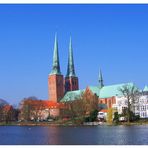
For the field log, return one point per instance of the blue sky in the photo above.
(111, 37)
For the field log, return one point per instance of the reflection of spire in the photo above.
(70, 67)
(100, 79)
(56, 65)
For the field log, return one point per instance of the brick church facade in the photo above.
(58, 85)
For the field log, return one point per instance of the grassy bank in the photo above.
(69, 123)
(140, 122)
(44, 123)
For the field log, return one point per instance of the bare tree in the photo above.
(81, 107)
(130, 92)
(25, 108)
(90, 101)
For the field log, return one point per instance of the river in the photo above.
(81, 135)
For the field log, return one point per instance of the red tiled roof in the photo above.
(7, 107)
(45, 104)
(52, 104)
(103, 110)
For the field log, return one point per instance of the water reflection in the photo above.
(82, 135)
(53, 135)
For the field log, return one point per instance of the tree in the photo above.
(130, 92)
(116, 117)
(110, 115)
(1, 113)
(25, 108)
(90, 101)
(74, 109)
(32, 109)
(84, 106)
(93, 115)
(25, 111)
(7, 113)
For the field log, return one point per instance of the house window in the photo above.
(140, 107)
(141, 114)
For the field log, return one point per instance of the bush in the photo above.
(132, 116)
(116, 117)
(92, 117)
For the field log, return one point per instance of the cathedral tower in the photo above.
(55, 78)
(71, 81)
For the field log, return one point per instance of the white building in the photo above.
(121, 103)
(141, 108)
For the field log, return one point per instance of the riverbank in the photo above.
(44, 123)
(71, 123)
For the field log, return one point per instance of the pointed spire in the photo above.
(55, 65)
(145, 88)
(70, 67)
(100, 79)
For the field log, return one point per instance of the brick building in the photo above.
(63, 89)
(58, 85)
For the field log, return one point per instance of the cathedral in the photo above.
(63, 89)
(58, 85)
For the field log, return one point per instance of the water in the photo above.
(82, 135)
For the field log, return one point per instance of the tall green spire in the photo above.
(100, 79)
(70, 67)
(56, 64)
(145, 88)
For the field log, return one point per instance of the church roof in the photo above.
(112, 90)
(72, 95)
(104, 92)
(95, 90)
(145, 88)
